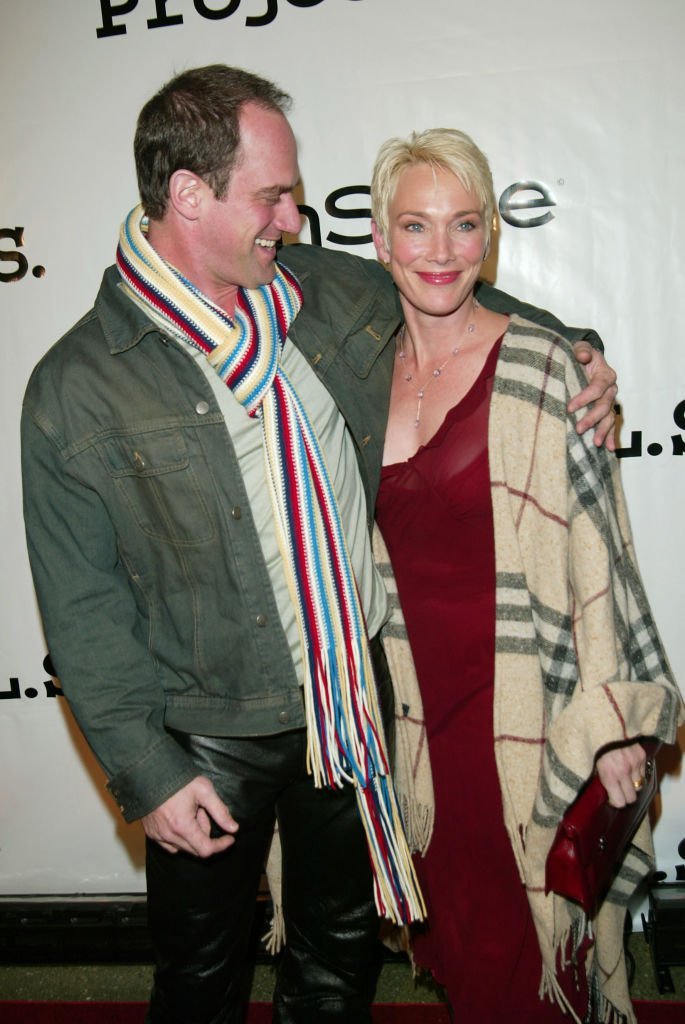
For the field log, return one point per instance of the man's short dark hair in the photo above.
(192, 123)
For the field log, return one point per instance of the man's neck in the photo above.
(183, 258)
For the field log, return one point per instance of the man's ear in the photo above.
(186, 193)
(382, 250)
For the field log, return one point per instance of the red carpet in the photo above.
(16, 1012)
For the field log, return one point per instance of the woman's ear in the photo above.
(382, 250)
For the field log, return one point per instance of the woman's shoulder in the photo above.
(525, 334)
(537, 357)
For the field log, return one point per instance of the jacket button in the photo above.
(261, 620)
(284, 717)
(202, 408)
(236, 512)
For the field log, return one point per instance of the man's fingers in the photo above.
(218, 811)
(597, 398)
(166, 846)
(204, 846)
(184, 820)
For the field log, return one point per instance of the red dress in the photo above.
(436, 518)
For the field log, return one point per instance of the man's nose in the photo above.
(288, 218)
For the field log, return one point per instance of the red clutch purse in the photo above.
(592, 838)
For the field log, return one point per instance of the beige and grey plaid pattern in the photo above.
(579, 663)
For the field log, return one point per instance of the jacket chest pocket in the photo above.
(154, 474)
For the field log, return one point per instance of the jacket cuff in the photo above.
(163, 770)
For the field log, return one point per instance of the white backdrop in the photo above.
(583, 102)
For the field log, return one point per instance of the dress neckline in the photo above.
(487, 370)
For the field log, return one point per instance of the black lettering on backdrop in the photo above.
(22, 264)
(216, 13)
(16, 235)
(264, 19)
(13, 693)
(333, 210)
(114, 11)
(635, 449)
(314, 223)
(109, 11)
(162, 19)
(50, 685)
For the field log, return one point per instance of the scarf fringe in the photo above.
(396, 889)
(552, 990)
(418, 820)
(335, 755)
(274, 939)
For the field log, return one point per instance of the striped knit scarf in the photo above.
(345, 740)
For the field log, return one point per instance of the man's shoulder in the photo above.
(66, 351)
(317, 267)
(302, 257)
(78, 348)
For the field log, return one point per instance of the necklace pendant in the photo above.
(436, 373)
(408, 376)
(420, 393)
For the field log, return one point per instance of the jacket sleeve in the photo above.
(93, 628)
(500, 302)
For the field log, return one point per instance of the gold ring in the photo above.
(638, 784)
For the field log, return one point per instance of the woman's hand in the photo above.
(621, 771)
(599, 395)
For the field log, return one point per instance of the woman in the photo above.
(509, 543)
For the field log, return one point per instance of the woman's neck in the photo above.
(428, 339)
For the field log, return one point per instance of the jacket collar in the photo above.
(123, 321)
(365, 319)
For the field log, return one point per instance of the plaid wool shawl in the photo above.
(579, 663)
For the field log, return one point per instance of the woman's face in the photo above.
(436, 240)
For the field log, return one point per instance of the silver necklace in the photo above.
(434, 374)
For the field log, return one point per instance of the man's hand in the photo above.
(621, 771)
(599, 395)
(183, 822)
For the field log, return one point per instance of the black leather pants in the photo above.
(201, 911)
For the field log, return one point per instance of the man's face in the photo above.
(240, 231)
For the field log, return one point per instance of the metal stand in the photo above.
(664, 927)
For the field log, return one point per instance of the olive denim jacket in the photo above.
(156, 602)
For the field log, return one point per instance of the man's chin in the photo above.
(265, 275)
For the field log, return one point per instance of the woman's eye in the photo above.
(413, 226)
(466, 225)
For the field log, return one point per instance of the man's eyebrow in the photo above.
(273, 191)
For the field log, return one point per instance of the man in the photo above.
(197, 498)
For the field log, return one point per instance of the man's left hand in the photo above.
(599, 395)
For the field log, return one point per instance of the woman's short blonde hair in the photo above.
(444, 148)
